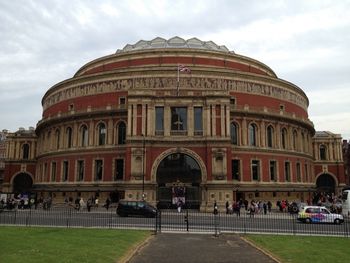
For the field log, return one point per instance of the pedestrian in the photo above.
(265, 208)
(96, 202)
(237, 209)
(81, 203)
(227, 205)
(179, 205)
(89, 204)
(215, 208)
(245, 204)
(77, 204)
(269, 206)
(108, 202)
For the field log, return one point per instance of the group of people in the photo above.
(25, 202)
(252, 207)
(80, 204)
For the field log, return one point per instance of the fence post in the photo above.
(160, 221)
(110, 220)
(346, 227)
(15, 218)
(156, 223)
(28, 217)
(294, 224)
(68, 216)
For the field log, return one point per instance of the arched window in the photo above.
(252, 134)
(25, 151)
(101, 134)
(284, 138)
(269, 136)
(69, 137)
(84, 135)
(234, 133)
(57, 135)
(121, 133)
(295, 140)
(323, 155)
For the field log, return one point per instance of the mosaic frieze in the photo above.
(171, 83)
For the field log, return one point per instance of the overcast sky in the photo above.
(304, 42)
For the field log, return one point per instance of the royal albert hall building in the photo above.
(175, 118)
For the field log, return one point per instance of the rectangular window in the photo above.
(80, 170)
(306, 174)
(122, 102)
(159, 120)
(119, 169)
(198, 121)
(273, 169)
(179, 119)
(53, 171)
(65, 171)
(98, 170)
(255, 170)
(287, 171)
(298, 172)
(236, 175)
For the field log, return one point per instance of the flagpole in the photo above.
(178, 79)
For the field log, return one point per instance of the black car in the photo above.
(136, 208)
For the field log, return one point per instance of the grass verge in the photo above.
(66, 245)
(300, 249)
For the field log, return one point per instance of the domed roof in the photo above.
(175, 42)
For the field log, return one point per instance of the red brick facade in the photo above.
(124, 124)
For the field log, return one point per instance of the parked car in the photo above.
(136, 208)
(318, 214)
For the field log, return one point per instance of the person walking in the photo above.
(89, 204)
(265, 208)
(108, 202)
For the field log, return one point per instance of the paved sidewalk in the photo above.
(193, 248)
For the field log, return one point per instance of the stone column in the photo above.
(110, 132)
(190, 121)
(75, 135)
(244, 131)
(91, 133)
(129, 131)
(262, 134)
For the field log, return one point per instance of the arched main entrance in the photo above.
(325, 183)
(178, 178)
(22, 183)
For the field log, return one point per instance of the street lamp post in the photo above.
(143, 167)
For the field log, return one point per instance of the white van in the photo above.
(346, 203)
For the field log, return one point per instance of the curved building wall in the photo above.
(109, 127)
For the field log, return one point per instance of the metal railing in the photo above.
(170, 220)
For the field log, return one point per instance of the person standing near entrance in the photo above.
(179, 205)
(215, 208)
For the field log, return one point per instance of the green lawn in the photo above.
(23, 244)
(300, 249)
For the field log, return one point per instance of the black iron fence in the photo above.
(173, 221)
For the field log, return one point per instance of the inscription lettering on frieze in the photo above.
(159, 83)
